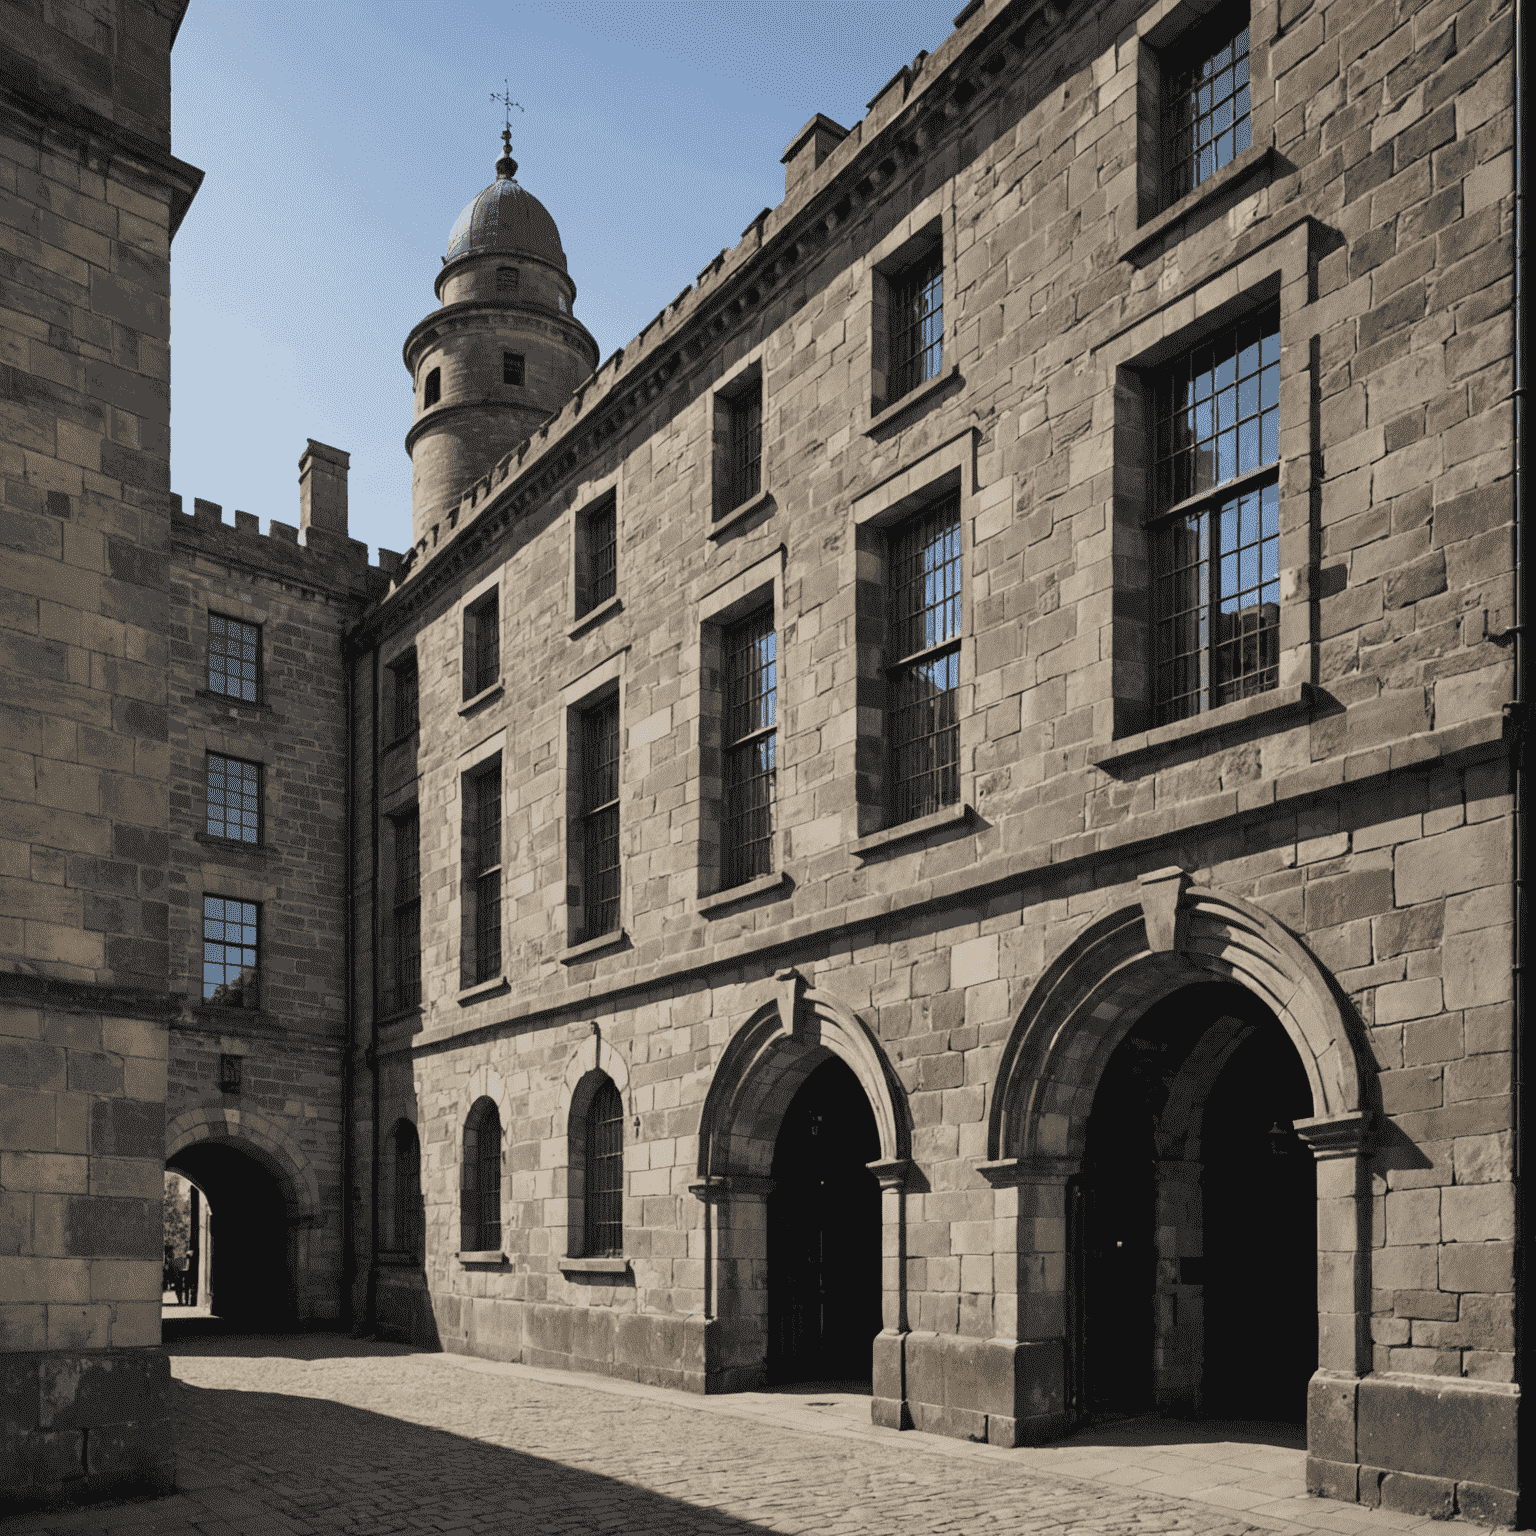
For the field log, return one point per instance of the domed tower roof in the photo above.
(504, 217)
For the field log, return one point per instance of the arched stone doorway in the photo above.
(804, 1041)
(1088, 1001)
(1192, 1229)
(249, 1285)
(270, 1265)
(824, 1233)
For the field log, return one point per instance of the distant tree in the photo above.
(178, 1215)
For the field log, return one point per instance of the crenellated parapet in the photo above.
(327, 560)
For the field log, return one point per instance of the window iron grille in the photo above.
(487, 859)
(600, 818)
(1207, 106)
(507, 279)
(407, 698)
(600, 555)
(924, 677)
(1216, 563)
(234, 799)
(512, 368)
(917, 324)
(231, 944)
(234, 658)
(405, 991)
(604, 1192)
(482, 645)
(744, 447)
(751, 708)
(480, 1204)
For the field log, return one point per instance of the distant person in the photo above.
(183, 1277)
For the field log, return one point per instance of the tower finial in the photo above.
(506, 167)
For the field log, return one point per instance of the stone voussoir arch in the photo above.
(766, 1061)
(593, 1055)
(1110, 973)
(250, 1131)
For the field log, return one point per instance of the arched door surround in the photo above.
(761, 1070)
(1076, 1015)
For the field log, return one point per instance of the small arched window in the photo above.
(432, 390)
(507, 279)
(409, 1223)
(604, 1180)
(480, 1186)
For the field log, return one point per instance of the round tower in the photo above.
(503, 352)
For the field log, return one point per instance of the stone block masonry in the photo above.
(1331, 839)
(89, 199)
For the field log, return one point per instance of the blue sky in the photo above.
(340, 141)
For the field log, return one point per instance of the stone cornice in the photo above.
(460, 314)
(912, 113)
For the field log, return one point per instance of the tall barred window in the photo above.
(410, 1234)
(923, 671)
(600, 819)
(751, 713)
(234, 799)
(597, 555)
(917, 323)
(480, 1185)
(231, 945)
(407, 711)
(603, 1206)
(405, 977)
(744, 445)
(482, 645)
(1206, 108)
(1216, 538)
(482, 837)
(234, 658)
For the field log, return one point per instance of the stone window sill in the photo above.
(912, 399)
(578, 1266)
(216, 1016)
(878, 842)
(485, 1256)
(233, 705)
(739, 514)
(596, 615)
(400, 741)
(589, 947)
(400, 1260)
(399, 1015)
(469, 706)
(721, 900)
(1252, 163)
(1270, 708)
(230, 844)
(480, 991)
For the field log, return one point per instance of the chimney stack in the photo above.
(810, 147)
(323, 489)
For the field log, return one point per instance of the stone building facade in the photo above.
(1096, 549)
(947, 818)
(90, 196)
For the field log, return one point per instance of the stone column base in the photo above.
(1424, 1445)
(80, 1425)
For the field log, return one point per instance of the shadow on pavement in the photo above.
(325, 1465)
(1153, 1430)
(212, 1337)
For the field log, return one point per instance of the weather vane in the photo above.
(505, 98)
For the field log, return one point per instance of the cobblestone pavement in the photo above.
(322, 1434)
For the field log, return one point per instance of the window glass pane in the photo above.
(744, 449)
(234, 658)
(751, 703)
(604, 1193)
(1206, 105)
(600, 555)
(917, 324)
(229, 952)
(234, 799)
(407, 698)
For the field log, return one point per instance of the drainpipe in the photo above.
(373, 1011)
(348, 1257)
(1525, 1182)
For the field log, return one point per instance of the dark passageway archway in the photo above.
(1194, 1229)
(824, 1233)
(250, 1280)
